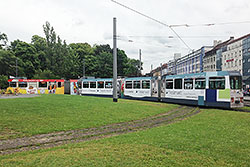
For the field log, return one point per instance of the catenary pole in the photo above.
(115, 99)
(140, 61)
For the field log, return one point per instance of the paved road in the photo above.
(18, 96)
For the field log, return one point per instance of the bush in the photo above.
(3, 82)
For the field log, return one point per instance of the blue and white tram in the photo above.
(96, 87)
(214, 89)
(141, 88)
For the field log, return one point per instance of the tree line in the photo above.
(51, 57)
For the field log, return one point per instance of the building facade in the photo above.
(193, 62)
(246, 61)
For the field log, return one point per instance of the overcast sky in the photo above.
(91, 21)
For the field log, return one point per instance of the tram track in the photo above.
(73, 136)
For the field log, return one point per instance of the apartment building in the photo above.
(193, 62)
(213, 58)
(246, 61)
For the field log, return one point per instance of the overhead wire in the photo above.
(153, 19)
(208, 24)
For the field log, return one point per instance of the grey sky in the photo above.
(91, 21)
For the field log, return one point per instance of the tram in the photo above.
(97, 87)
(36, 86)
(211, 89)
(215, 89)
(221, 89)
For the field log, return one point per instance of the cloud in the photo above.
(91, 21)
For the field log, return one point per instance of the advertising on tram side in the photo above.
(36, 86)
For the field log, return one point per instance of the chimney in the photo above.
(231, 38)
(215, 43)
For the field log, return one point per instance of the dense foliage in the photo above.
(51, 57)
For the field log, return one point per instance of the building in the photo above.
(213, 58)
(193, 62)
(246, 61)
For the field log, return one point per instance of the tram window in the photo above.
(217, 83)
(42, 84)
(92, 84)
(178, 83)
(22, 84)
(169, 84)
(137, 85)
(13, 84)
(200, 83)
(128, 85)
(85, 84)
(100, 84)
(235, 82)
(59, 84)
(188, 83)
(145, 84)
(108, 84)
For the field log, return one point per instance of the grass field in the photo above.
(211, 138)
(48, 113)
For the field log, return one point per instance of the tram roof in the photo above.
(97, 79)
(205, 74)
(138, 78)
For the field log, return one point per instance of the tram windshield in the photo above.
(235, 82)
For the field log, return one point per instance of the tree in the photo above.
(27, 56)
(40, 45)
(3, 82)
(3, 40)
(7, 63)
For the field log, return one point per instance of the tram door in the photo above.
(163, 86)
(154, 87)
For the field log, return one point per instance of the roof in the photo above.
(204, 74)
(245, 36)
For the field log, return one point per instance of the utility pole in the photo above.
(83, 68)
(16, 69)
(115, 99)
(140, 61)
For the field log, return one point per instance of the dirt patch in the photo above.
(59, 138)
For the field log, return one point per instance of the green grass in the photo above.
(49, 113)
(211, 138)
